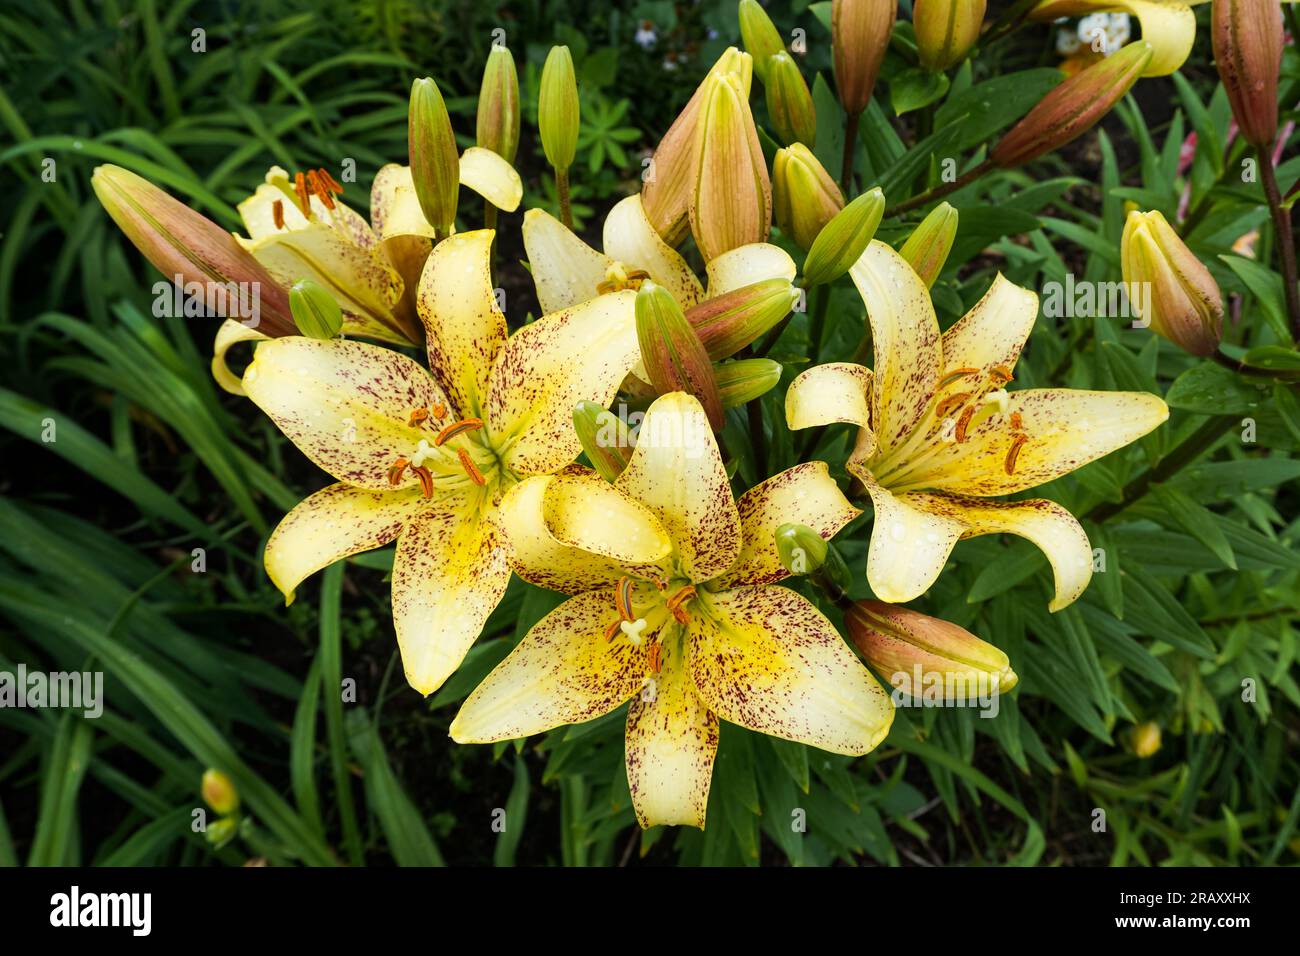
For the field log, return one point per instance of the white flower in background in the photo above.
(1104, 32)
(646, 37)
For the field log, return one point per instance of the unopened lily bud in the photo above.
(912, 651)
(315, 311)
(1247, 37)
(804, 196)
(604, 438)
(860, 31)
(744, 380)
(926, 249)
(1074, 107)
(789, 103)
(181, 242)
(839, 245)
(218, 792)
(435, 161)
(220, 832)
(666, 190)
(1145, 739)
(728, 322)
(1170, 289)
(803, 551)
(558, 110)
(731, 195)
(673, 355)
(946, 30)
(760, 35)
(498, 105)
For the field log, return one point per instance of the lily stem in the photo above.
(1285, 239)
(850, 153)
(562, 187)
(1242, 368)
(1191, 448)
(938, 192)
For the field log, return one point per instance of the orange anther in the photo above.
(675, 603)
(439, 410)
(613, 629)
(457, 428)
(396, 471)
(330, 182)
(652, 658)
(951, 402)
(963, 423)
(1017, 422)
(623, 599)
(1003, 373)
(426, 480)
(467, 463)
(952, 376)
(300, 187)
(1013, 453)
(277, 213)
(418, 417)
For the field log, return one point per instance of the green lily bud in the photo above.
(315, 312)
(558, 110)
(860, 31)
(673, 355)
(498, 105)
(604, 438)
(181, 242)
(803, 551)
(220, 832)
(804, 196)
(946, 30)
(1074, 107)
(788, 101)
(1144, 739)
(219, 792)
(1171, 290)
(927, 248)
(909, 649)
(743, 380)
(760, 36)
(728, 322)
(845, 238)
(435, 161)
(731, 195)
(1248, 38)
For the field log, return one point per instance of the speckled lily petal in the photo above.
(1057, 533)
(463, 328)
(566, 271)
(491, 177)
(550, 365)
(629, 238)
(990, 335)
(335, 522)
(449, 573)
(536, 556)
(766, 659)
(344, 404)
(672, 738)
(583, 510)
(1066, 429)
(909, 546)
(748, 264)
(230, 333)
(562, 672)
(394, 207)
(830, 393)
(805, 494)
(677, 472)
(904, 338)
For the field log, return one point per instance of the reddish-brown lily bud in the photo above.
(1074, 107)
(728, 322)
(1247, 36)
(860, 32)
(181, 242)
(672, 353)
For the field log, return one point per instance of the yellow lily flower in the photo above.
(425, 457)
(674, 607)
(939, 433)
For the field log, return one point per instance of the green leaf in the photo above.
(1196, 520)
(1214, 390)
(408, 838)
(991, 106)
(516, 816)
(1266, 286)
(915, 88)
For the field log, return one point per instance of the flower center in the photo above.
(450, 460)
(642, 607)
(619, 277)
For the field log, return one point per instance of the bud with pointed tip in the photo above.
(897, 642)
(845, 238)
(743, 380)
(926, 249)
(731, 195)
(789, 103)
(946, 30)
(181, 242)
(728, 322)
(666, 194)
(860, 31)
(219, 792)
(498, 105)
(315, 311)
(435, 161)
(604, 438)
(1248, 38)
(1171, 289)
(760, 35)
(804, 196)
(673, 355)
(1074, 107)
(558, 109)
